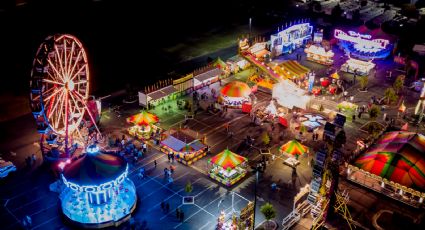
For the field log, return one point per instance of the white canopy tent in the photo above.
(289, 95)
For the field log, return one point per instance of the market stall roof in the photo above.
(228, 159)
(294, 148)
(95, 168)
(163, 92)
(235, 89)
(181, 142)
(143, 118)
(219, 63)
(397, 156)
(289, 95)
(291, 69)
(209, 74)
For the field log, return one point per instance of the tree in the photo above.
(265, 138)
(363, 82)
(374, 112)
(189, 187)
(336, 12)
(268, 211)
(390, 95)
(398, 83)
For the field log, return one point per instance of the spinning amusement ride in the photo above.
(59, 96)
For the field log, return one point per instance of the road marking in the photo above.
(205, 190)
(150, 179)
(42, 197)
(150, 162)
(45, 222)
(205, 225)
(169, 213)
(44, 209)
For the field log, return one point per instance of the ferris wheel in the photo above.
(59, 90)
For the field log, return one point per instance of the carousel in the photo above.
(97, 192)
(227, 167)
(234, 94)
(143, 125)
(185, 148)
(393, 166)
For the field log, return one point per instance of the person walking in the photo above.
(154, 162)
(33, 158)
(181, 216)
(162, 205)
(167, 207)
(178, 213)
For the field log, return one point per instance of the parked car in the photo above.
(6, 167)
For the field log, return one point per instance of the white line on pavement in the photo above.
(45, 222)
(205, 225)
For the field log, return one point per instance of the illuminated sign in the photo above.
(96, 188)
(363, 40)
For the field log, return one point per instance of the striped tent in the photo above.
(143, 119)
(398, 157)
(293, 148)
(291, 69)
(227, 159)
(235, 89)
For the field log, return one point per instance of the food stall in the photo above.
(357, 67)
(318, 54)
(143, 125)
(227, 167)
(185, 148)
(234, 94)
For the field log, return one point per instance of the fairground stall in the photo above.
(291, 70)
(358, 67)
(364, 44)
(97, 191)
(155, 97)
(206, 77)
(393, 166)
(318, 54)
(312, 121)
(290, 38)
(259, 51)
(234, 94)
(293, 149)
(289, 95)
(185, 148)
(143, 125)
(268, 112)
(227, 167)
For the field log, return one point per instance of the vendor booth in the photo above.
(206, 78)
(393, 166)
(97, 191)
(290, 38)
(293, 148)
(357, 66)
(234, 94)
(318, 54)
(157, 97)
(259, 50)
(227, 167)
(289, 95)
(143, 125)
(185, 148)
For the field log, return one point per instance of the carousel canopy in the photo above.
(228, 159)
(235, 89)
(95, 168)
(143, 118)
(294, 148)
(397, 156)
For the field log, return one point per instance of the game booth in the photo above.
(393, 166)
(97, 192)
(358, 67)
(293, 149)
(364, 44)
(157, 97)
(206, 78)
(269, 111)
(227, 167)
(234, 94)
(290, 38)
(318, 54)
(143, 125)
(185, 148)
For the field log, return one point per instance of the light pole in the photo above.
(250, 23)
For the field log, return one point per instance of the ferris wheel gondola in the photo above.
(59, 92)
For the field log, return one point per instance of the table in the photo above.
(292, 162)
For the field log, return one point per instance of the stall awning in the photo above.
(207, 76)
(293, 147)
(294, 68)
(228, 159)
(289, 95)
(173, 143)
